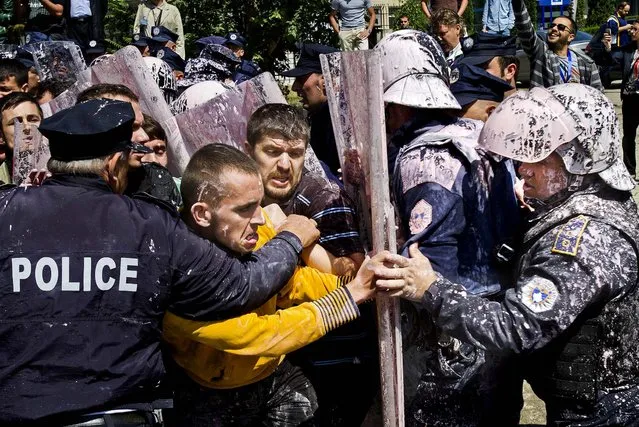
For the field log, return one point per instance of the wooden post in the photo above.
(354, 91)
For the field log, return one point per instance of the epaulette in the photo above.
(569, 237)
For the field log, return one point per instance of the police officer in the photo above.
(310, 86)
(495, 54)
(162, 37)
(173, 60)
(88, 274)
(215, 63)
(457, 205)
(247, 68)
(477, 92)
(142, 43)
(572, 314)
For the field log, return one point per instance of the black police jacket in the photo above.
(85, 278)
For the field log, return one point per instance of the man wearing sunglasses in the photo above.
(551, 61)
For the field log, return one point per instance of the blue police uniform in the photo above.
(572, 315)
(457, 205)
(460, 207)
(245, 71)
(88, 275)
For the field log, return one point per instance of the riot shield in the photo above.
(355, 97)
(127, 67)
(30, 151)
(223, 118)
(59, 59)
(67, 98)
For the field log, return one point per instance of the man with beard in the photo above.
(552, 62)
(24, 108)
(310, 86)
(343, 365)
(236, 370)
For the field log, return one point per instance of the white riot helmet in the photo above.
(163, 76)
(415, 71)
(576, 121)
(198, 94)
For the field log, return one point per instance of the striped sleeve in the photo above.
(336, 309)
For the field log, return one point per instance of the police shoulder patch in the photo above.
(569, 237)
(539, 295)
(420, 217)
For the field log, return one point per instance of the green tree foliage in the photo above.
(118, 23)
(599, 11)
(272, 27)
(412, 9)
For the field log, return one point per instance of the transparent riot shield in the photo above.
(57, 59)
(8, 51)
(66, 99)
(223, 119)
(127, 67)
(30, 151)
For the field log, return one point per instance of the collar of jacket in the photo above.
(88, 181)
(424, 122)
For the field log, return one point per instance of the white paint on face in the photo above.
(545, 178)
(238, 213)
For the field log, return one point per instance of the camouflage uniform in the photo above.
(573, 312)
(459, 206)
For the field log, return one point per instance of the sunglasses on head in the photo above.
(560, 27)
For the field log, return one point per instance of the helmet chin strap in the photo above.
(575, 182)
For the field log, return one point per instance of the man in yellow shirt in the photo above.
(233, 372)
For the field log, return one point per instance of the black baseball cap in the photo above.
(309, 61)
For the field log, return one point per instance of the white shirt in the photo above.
(454, 54)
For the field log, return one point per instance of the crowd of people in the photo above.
(241, 292)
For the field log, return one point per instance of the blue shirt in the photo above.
(498, 15)
(80, 8)
(456, 203)
(618, 40)
(351, 12)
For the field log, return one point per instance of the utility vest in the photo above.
(599, 352)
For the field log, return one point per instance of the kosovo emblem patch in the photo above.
(539, 295)
(420, 217)
(569, 237)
